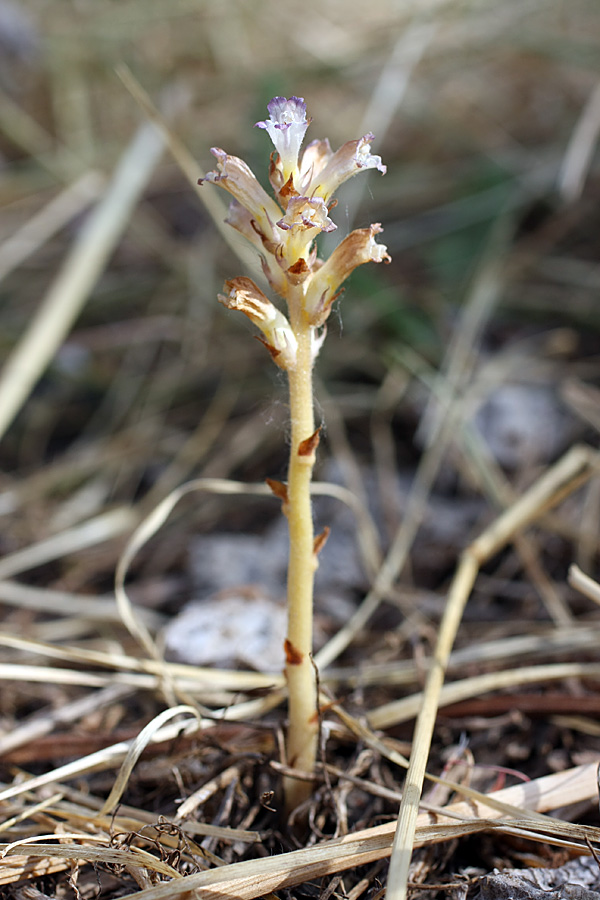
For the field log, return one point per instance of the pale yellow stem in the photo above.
(300, 675)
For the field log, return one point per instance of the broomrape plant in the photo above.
(283, 230)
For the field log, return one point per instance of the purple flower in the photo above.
(286, 126)
(303, 213)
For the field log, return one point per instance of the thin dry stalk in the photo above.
(40, 725)
(81, 269)
(190, 169)
(68, 204)
(584, 584)
(492, 479)
(559, 481)
(406, 709)
(101, 528)
(580, 151)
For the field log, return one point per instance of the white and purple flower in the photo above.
(286, 126)
(283, 229)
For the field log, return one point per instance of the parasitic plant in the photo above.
(283, 229)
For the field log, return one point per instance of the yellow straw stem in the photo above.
(300, 674)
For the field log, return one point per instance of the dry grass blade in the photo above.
(202, 677)
(136, 749)
(247, 880)
(106, 854)
(102, 528)
(108, 758)
(568, 474)
(190, 169)
(53, 675)
(39, 725)
(48, 221)
(584, 584)
(80, 271)
(407, 708)
(581, 148)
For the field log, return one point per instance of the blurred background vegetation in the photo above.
(486, 115)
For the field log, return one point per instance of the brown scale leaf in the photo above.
(308, 446)
(321, 540)
(278, 488)
(293, 657)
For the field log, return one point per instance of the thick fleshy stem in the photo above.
(283, 230)
(302, 689)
